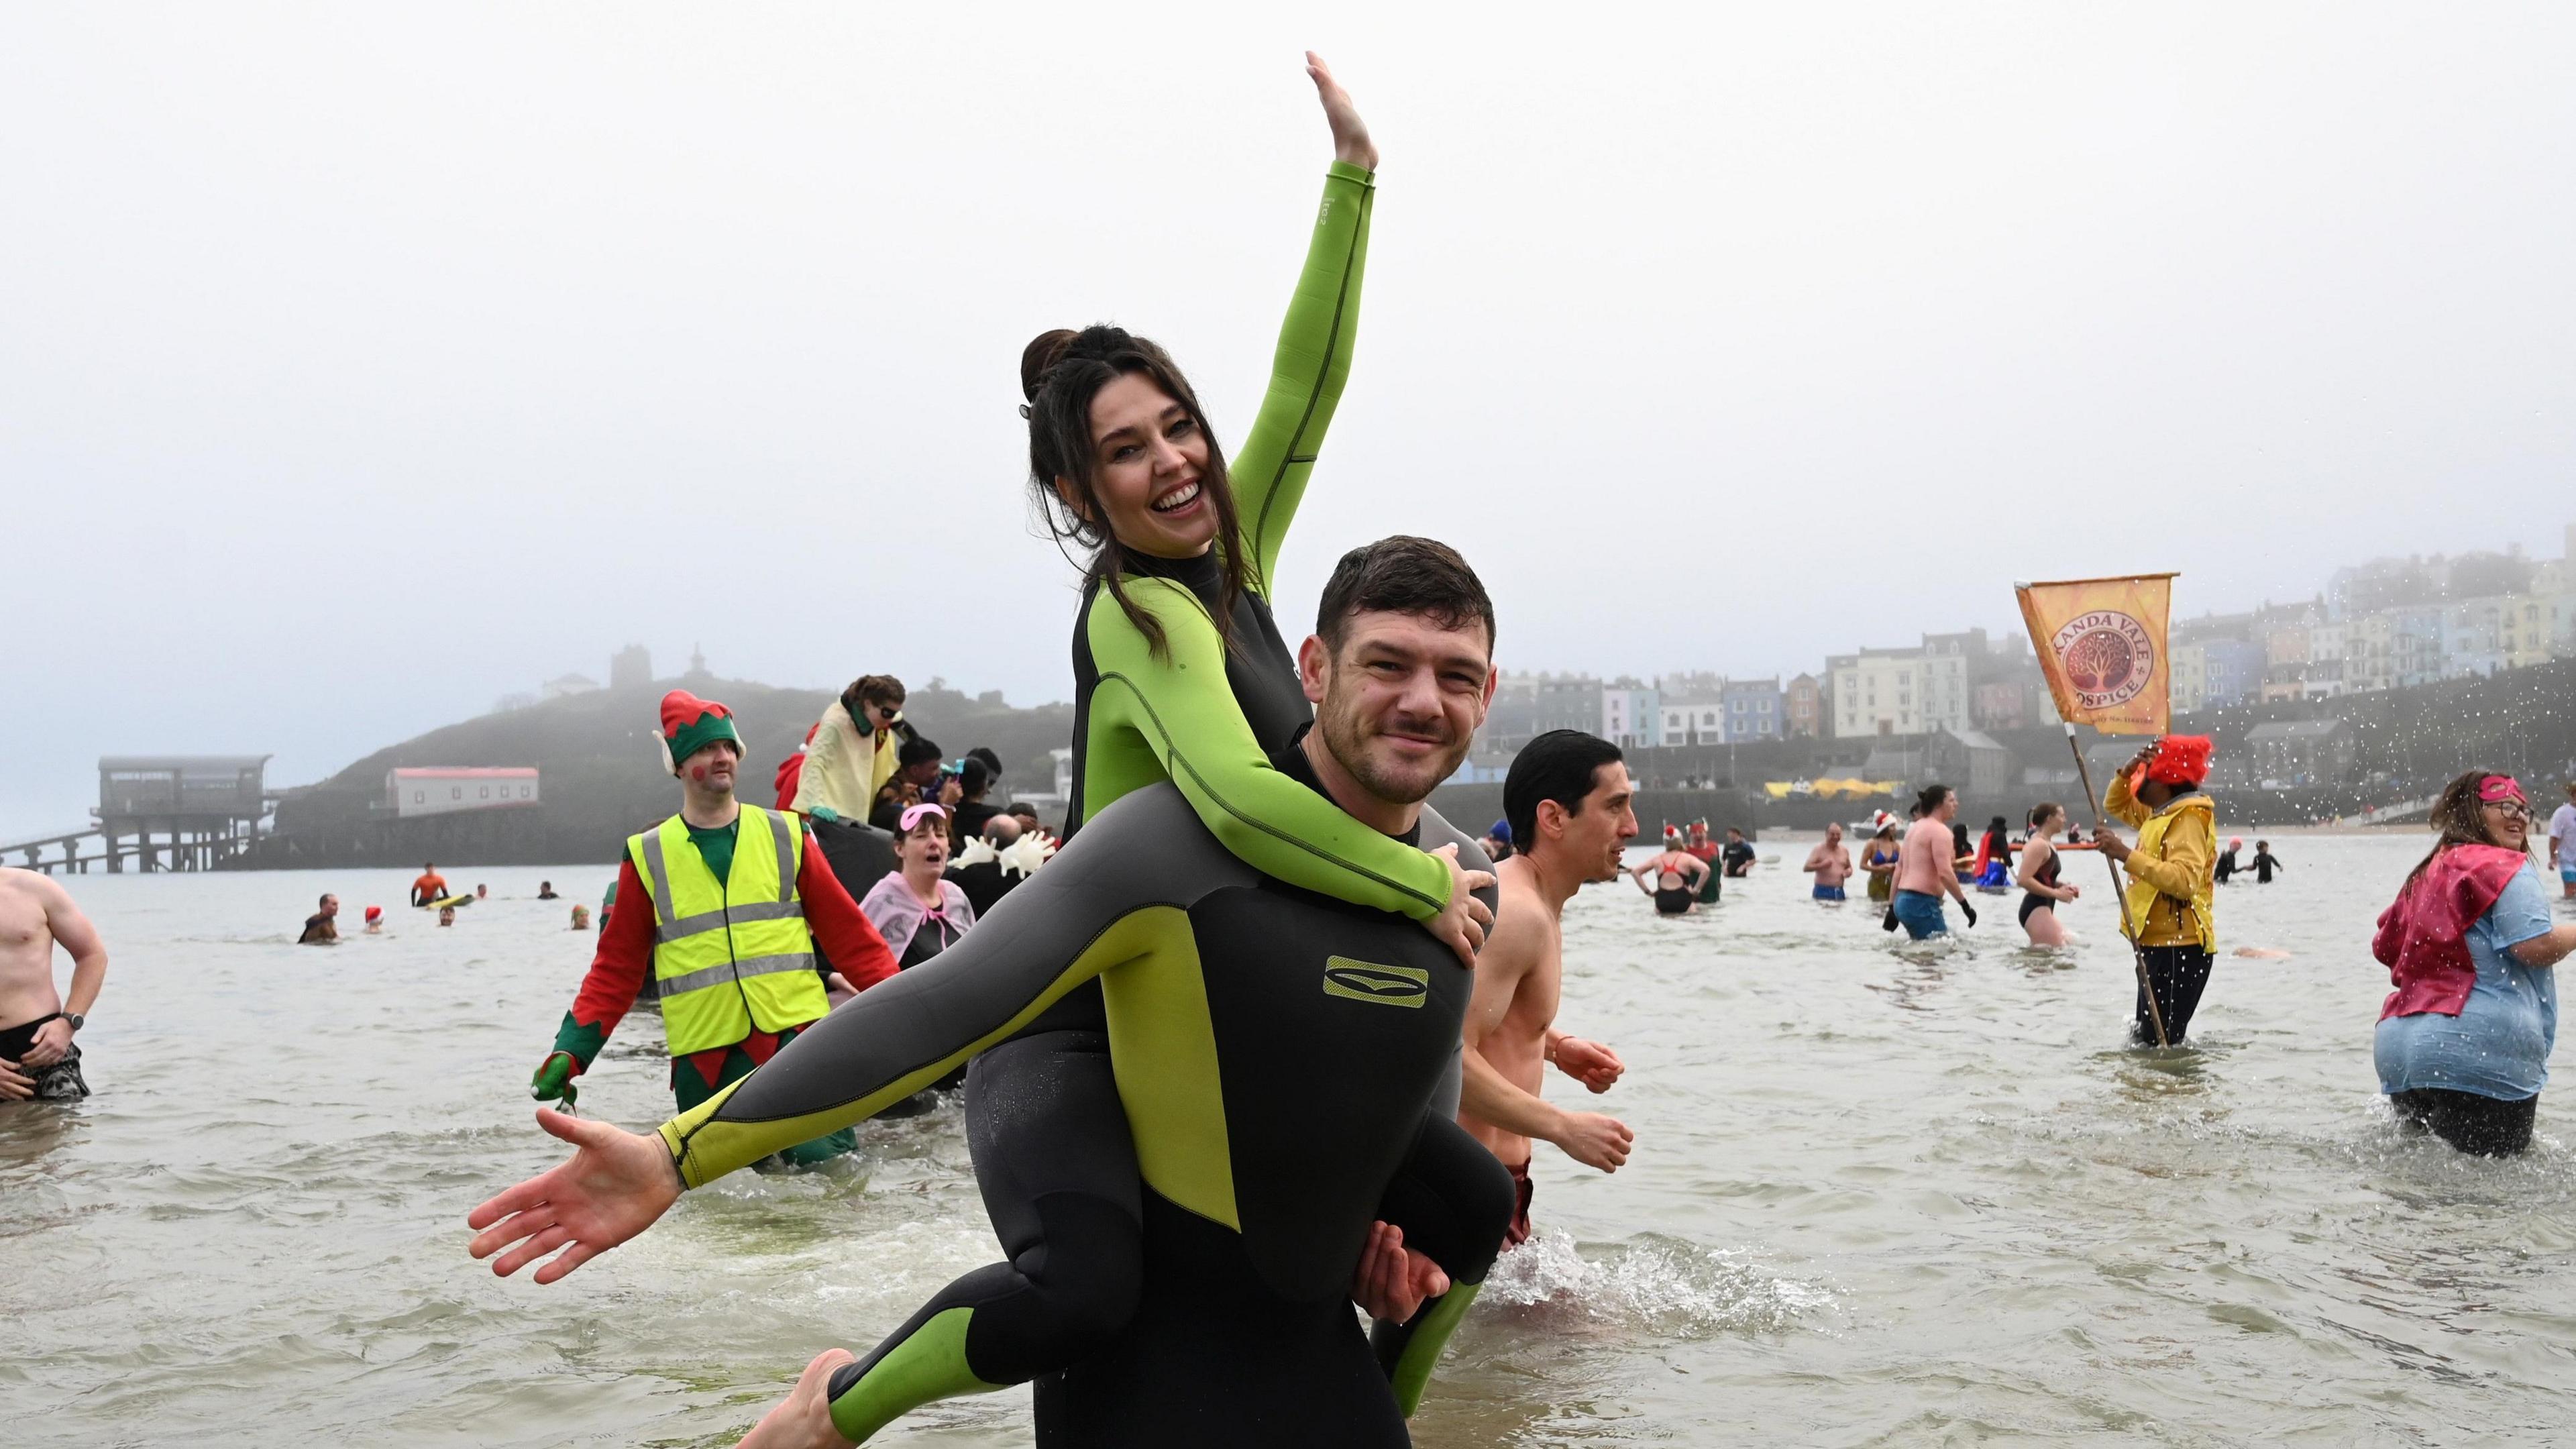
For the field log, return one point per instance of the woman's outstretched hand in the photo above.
(1351, 143)
(613, 1187)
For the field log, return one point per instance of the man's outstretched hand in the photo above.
(615, 1186)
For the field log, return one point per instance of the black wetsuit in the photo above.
(2225, 867)
(2032, 900)
(1279, 1056)
(2263, 865)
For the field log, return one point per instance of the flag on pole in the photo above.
(2101, 643)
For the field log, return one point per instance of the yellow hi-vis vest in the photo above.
(733, 956)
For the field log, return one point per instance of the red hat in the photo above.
(2180, 760)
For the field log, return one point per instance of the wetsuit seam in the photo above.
(1314, 394)
(1264, 827)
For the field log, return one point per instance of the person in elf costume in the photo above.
(723, 906)
(2166, 909)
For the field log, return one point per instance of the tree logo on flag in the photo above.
(2106, 656)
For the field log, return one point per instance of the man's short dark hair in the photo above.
(992, 761)
(326, 900)
(1561, 765)
(1403, 575)
(916, 751)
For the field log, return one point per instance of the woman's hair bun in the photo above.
(1043, 352)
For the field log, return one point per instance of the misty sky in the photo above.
(360, 365)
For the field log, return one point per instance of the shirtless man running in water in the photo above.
(37, 1058)
(1567, 799)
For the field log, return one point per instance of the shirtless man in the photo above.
(1829, 863)
(1568, 802)
(37, 1058)
(1677, 874)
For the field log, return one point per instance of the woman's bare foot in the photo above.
(1351, 143)
(804, 1420)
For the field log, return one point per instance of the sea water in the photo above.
(1882, 1193)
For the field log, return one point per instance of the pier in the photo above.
(159, 813)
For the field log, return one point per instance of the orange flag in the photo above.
(2101, 643)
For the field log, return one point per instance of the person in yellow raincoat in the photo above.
(2166, 909)
(852, 752)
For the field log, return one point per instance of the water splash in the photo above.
(1653, 1283)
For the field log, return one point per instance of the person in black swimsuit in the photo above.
(1678, 876)
(2041, 890)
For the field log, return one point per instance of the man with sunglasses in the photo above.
(725, 903)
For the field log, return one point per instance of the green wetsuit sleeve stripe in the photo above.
(1184, 711)
(900, 1036)
(1307, 372)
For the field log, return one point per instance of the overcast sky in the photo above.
(359, 366)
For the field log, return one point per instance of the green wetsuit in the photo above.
(1277, 1053)
(1204, 718)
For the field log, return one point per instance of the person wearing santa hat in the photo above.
(727, 902)
(2166, 910)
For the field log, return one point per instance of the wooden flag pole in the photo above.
(2137, 953)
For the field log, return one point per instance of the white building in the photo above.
(446, 791)
(567, 684)
(1693, 721)
(1898, 692)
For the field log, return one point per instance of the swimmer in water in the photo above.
(430, 886)
(2264, 863)
(321, 928)
(38, 1060)
(447, 915)
(581, 918)
(2040, 867)
(1829, 863)
(1738, 855)
(1273, 1121)
(1879, 859)
(1927, 866)
(375, 920)
(1678, 875)
(1569, 797)
(545, 890)
(2227, 866)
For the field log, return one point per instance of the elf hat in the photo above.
(690, 724)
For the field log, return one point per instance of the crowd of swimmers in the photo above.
(1261, 1037)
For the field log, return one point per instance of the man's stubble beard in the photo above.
(1344, 738)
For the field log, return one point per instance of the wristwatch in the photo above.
(76, 1019)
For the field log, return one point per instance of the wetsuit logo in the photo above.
(1384, 985)
(2107, 657)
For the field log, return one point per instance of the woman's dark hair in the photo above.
(1995, 830)
(884, 688)
(1060, 373)
(1930, 798)
(2040, 812)
(1560, 765)
(2460, 817)
(974, 777)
